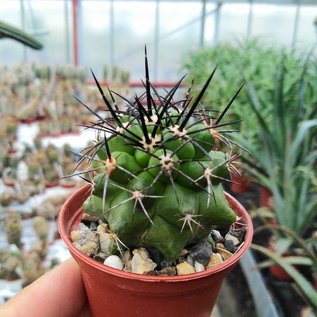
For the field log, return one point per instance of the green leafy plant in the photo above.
(9, 31)
(305, 256)
(288, 145)
(285, 163)
(157, 169)
(258, 64)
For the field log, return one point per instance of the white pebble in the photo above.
(106, 243)
(114, 261)
(199, 267)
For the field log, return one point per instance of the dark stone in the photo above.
(239, 233)
(201, 252)
(181, 259)
(93, 226)
(230, 245)
(100, 257)
(216, 236)
(166, 263)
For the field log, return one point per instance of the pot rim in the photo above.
(244, 215)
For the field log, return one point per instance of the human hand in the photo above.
(58, 293)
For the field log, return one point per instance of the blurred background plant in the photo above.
(278, 109)
(284, 157)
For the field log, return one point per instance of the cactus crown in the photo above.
(156, 168)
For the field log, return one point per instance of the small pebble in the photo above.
(215, 259)
(229, 244)
(141, 262)
(239, 233)
(74, 235)
(184, 252)
(181, 259)
(127, 256)
(220, 245)
(216, 236)
(190, 260)
(102, 228)
(107, 245)
(167, 271)
(224, 253)
(232, 238)
(93, 226)
(86, 235)
(100, 257)
(114, 261)
(199, 267)
(201, 252)
(127, 266)
(166, 263)
(89, 248)
(185, 268)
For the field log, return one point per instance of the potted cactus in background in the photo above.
(155, 206)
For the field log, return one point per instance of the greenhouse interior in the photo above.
(158, 158)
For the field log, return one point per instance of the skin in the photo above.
(59, 292)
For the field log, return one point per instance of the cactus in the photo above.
(10, 260)
(13, 228)
(41, 227)
(156, 169)
(32, 267)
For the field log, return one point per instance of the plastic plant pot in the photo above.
(240, 183)
(112, 292)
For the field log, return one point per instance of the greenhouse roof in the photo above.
(276, 2)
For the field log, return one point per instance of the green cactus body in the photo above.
(222, 215)
(41, 227)
(94, 206)
(99, 183)
(203, 139)
(119, 144)
(218, 166)
(126, 221)
(157, 175)
(167, 238)
(183, 147)
(189, 171)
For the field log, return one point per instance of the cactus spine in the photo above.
(156, 169)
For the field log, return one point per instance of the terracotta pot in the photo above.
(280, 273)
(51, 184)
(68, 184)
(240, 183)
(266, 198)
(40, 117)
(28, 120)
(112, 292)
